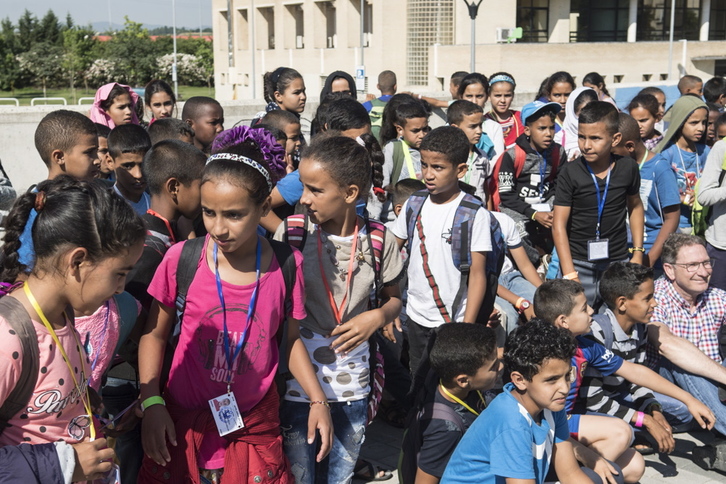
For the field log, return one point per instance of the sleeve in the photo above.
(163, 285)
(392, 262)
(552, 188)
(297, 311)
(387, 163)
(437, 447)
(564, 193)
(508, 187)
(290, 188)
(481, 234)
(667, 185)
(634, 188)
(28, 463)
(511, 454)
(509, 230)
(710, 190)
(496, 134)
(600, 358)
(66, 459)
(400, 228)
(562, 430)
(11, 357)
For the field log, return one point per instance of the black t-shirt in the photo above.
(441, 437)
(575, 189)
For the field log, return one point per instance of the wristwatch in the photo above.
(522, 305)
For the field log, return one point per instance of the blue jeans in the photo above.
(515, 282)
(349, 420)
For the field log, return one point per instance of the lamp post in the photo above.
(473, 6)
(173, 32)
(670, 40)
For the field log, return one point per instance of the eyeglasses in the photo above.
(693, 266)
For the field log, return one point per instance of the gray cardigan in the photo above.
(712, 194)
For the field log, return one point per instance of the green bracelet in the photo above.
(156, 400)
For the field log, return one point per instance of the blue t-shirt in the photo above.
(504, 441)
(369, 105)
(688, 167)
(595, 355)
(658, 189)
(290, 188)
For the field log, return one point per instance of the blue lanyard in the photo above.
(250, 310)
(542, 170)
(600, 200)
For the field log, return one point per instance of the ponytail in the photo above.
(370, 143)
(277, 81)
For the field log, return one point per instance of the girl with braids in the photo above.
(284, 88)
(86, 241)
(219, 414)
(353, 256)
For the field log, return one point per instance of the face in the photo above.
(560, 93)
(471, 126)
(208, 124)
(322, 196)
(712, 117)
(690, 283)
(454, 90)
(548, 388)
(695, 126)
(721, 132)
(340, 85)
(646, 121)
(104, 157)
(81, 161)
(501, 97)
(486, 376)
(696, 89)
(161, 105)
(541, 132)
(355, 132)
(595, 142)
(640, 307)
(293, 98)
(580, 318)
(121, 109)
(230, 215)
(439, 174)
(189, 199)
(476, 94)
(413, 131)
(661, 104)
(293, 144)
(128, 173)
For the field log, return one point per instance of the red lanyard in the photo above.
(338, 311)
(166, 222)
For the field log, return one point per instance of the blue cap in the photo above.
(537, 106)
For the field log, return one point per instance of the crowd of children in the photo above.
(184, 303)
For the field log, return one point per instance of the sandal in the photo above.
(643, 446)
(367, 472)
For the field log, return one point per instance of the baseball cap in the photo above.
(537, 106)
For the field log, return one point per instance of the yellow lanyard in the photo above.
(409, 160)
(460, 401)
(82, 393)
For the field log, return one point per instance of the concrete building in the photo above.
(424, 41)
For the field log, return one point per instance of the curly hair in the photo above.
(531, 344)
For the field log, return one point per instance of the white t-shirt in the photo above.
(437, 221)
(495, 133)
(511, 236)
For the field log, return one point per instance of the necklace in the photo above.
(332, 248)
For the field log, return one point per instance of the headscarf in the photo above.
(100, 116)
(679, 114)
(571, 124)
(328, 87)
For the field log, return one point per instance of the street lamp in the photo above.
(173, 66)
(473, 6)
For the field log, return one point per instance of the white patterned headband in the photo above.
(501, 78)
(247, 161)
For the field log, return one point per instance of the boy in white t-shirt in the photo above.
(434, 279)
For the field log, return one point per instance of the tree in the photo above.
(44, 63)
(79, 46)
(27, 31)
(49, 29)
(188, 69)
(133, 52)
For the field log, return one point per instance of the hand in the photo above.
(370, 97)
(156, 427)
(388, 332)
(93, 460)
(127, 422)
(703, 415)
(495, 319)
(356, 331)
(319, 420)
(605, 470)
(662, 436)
(688, 197)
(544, 218)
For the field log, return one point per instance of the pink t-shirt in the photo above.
(199, 367)
(55, 401)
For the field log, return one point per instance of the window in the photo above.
(266, 28)
(533, 17)
(717, 29)
(654, 19)
(429, 22)
(601, 20)
(241, 32)
(325, 16)
(294, 27)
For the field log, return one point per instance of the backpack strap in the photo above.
(415, 202)
(286, 261)
(556, 158)
(296, 230)
(185, 271)
(461, 235)
(607, 329)
(442, 411)
(19, 320)
(398, 159)
(520, 156)
(376, 234)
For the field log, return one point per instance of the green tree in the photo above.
(27, 31)
(133, 52)
(9, 48)
(44, 63)
(49, 29)
(79, 47)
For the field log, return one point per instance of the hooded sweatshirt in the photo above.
(328, 87)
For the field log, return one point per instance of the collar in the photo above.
(618, 333)
(677, 298)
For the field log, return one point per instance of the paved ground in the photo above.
(382, 447)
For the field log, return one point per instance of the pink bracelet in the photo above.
(639, 420)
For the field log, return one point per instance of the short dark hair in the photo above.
(472, 79)
(714, 107)
(714, 88)
(169, 128)
(585, 97)
(628, 127)
(279, 118)
(404, 189)
(59, 130)
(193, 106)
(387, 82)
(276, 133)
(346, 113)
(345, 161)
(622, 279)
(675, 242)
(409, 110)
(102, 130)
(600, 111)
(128, 138)
(688, 81)
(458, 109)
(646, 101)
(457, 77)
(720, 121)
(449, 141)
(556, 298)
(652, 90)
(531, 344)
(462, 349)
(172, 159)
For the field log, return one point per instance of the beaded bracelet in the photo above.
(319, 402)
(636, 249)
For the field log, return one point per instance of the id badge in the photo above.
(597, 249)
(541, 207)
(226, 414)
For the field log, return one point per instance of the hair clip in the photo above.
(379, 191)
(39, 201)
(247, 161)
(360, 141)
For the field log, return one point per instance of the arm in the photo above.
(477, 287)
(636, 215)
(671, 217)
(512, 299)
(566, 466)
(424, 478)
(710, 191)
(519, 255)
(562, 241)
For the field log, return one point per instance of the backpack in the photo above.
(398, 160)
(461, 236)
(376, 115)
(519, 156)
(296, 232)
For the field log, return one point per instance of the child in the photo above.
(127, 146)
(720, 127)
(646, 110)
(468, 117)
(86, 240)
(475, 88)
(438, 293)
(288, 123)
(353, 256)
(714, 111)
(520, 432)
(524, 180)
(114, 105)
(159, 99)
(594, 195)
(658, 189)
(205, 117)
(403, 159)
(579, 98)
(557, 89)
(714, 91)
(170, 128)
(387, 84)
(105, 171)
(338, 81)
(684, 148)
(597, 83)
(400, 193)
(501, 93)
(68, 144)
(689, 84)
(454, 83)
(227, 357)
(465, 364)
(347, 116)
(284, 88)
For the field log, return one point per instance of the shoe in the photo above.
(712, 456)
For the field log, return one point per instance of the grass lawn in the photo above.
(26, 94)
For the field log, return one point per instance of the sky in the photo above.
(148, 12)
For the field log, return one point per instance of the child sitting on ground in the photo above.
(468, 117)
(170, 128)
(206, 117)
(127, 145)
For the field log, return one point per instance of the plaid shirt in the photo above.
(700, 327)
